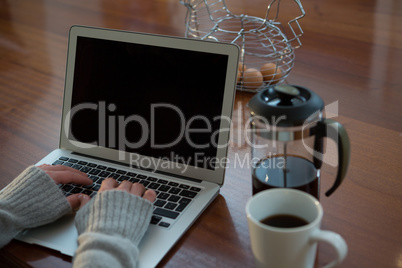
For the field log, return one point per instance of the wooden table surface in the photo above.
(351, 54)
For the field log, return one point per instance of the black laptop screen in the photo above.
(148, 100)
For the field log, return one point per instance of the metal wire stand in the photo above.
(267, 54)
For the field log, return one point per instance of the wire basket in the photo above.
(267, 55)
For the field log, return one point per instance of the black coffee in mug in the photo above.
(284, 221)
(288, 171)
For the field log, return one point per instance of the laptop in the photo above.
(150, 109)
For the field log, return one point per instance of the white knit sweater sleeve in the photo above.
(30, 200)
(110, 227)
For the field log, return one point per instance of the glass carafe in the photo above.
(287, 131)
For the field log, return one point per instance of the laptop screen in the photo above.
(150, 100)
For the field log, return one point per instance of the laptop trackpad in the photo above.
(60, 235)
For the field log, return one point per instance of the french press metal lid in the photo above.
(293, 104)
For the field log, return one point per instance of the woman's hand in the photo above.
(126, 186)
(62, 175)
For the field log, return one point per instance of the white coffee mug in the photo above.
(289, 247)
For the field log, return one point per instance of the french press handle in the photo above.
(334, 130)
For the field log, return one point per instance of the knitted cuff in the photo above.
(33, 199)
(115, 212)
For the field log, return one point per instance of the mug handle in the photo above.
(336, 241)
(334, 130)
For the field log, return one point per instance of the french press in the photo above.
(287, 131)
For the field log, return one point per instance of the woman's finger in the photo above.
(125, 186)
(108, 184)
(47, 167)
(68, 176)
(137, 189)
(77, 201)
(149, 195)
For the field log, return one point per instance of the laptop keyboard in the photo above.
(171, 197)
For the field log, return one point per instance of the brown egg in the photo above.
(242, 67)
(271, 73)
(252, 78)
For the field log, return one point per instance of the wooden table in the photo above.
(351, 53)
